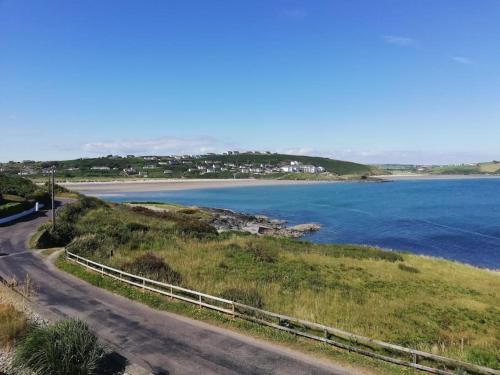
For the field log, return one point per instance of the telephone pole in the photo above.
(52, 190)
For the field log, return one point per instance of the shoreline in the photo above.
(157, 185)
(402, 177)
(140, 186)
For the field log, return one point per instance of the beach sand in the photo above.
(138, 186)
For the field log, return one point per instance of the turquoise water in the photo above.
(453, 219)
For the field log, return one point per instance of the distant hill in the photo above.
(232, 165)
(480, 168)
(492, 167)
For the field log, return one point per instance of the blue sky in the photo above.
(371, 81)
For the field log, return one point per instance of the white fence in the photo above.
(20, 215)
(373, 348)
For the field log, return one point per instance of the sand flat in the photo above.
(138, 186)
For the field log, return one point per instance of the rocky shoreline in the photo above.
(227, 220)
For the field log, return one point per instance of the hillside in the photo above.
(234, 165)
(492, 167)
(18, 194)
(429, 304)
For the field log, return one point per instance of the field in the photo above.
(493, 167)
(433, 305)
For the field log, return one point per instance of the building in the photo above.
(26, 172)
(289, 168)
(100, 168)
(130, 171)
(308, 169)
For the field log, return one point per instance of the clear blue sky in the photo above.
(372, 81)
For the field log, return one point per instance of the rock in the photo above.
(228, 220)
(306, 228)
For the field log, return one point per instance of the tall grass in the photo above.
(68, 347)
(13, 326)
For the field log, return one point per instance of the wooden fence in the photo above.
(336, 337)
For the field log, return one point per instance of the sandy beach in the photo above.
(139, 186)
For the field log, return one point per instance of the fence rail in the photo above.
(333, 336)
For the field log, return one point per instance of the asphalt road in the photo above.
(161, 342)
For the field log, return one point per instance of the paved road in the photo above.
(163, 342)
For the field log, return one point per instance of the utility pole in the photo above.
(53, 201)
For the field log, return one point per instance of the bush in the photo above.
(152, 266)
(261, 254)
(195, 228)
(249, 297)
(66, 219)
(68, 347)
(17, 185)
(184, 226)
(12, 208)
(13, 325)
(86, 245)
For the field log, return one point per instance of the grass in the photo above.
(493, 167)
(433, 305)
(364, 364)
(68, 347)
(8, 208)
(13, 317)
(13, 325)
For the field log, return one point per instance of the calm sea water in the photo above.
(453, 219)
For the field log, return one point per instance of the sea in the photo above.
(456, 219)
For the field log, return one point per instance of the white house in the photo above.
(289, 168)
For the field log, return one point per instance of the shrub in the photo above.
(68, 347)
(152, 266)
(13, 325)
(136, 227)
(195, 228)
(249, 297)
(184, 226)
(261, 254)
(86, 245)
(12, 208)
(404, 267)
(66, 218)
(189, 211)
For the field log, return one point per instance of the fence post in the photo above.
(171, 293)
(200, 300)
(143, 284)
(232, 308)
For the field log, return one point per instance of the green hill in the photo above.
(239, 165)
(18, 194)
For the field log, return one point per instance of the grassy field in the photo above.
(493, 167)
(433, 305)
